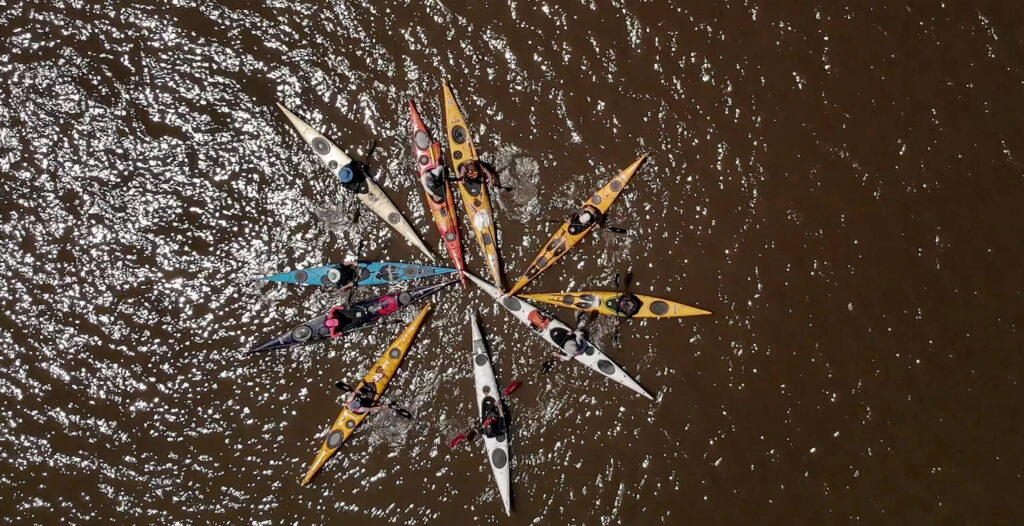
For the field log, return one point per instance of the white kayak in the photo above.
(557, 333)
(487, 398)
(340, 164)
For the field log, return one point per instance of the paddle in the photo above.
(402, 412)
(613, 229)
(622, 285)
(473, 431)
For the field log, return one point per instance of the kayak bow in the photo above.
(348, 420)
(556, 333)
(369, 273)
(349, 318)
(563, 240)
(427, 152)
(339, 163)
(602, 302)
(474, 194)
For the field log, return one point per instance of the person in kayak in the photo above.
(346, 275)
(626, 305)
(584, 218)
(477, 172)
(493, 418)
(341, 319)
(361, 401)
(433, 183)
(353, 178)
(574, 345)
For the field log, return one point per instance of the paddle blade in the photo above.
(402, 412)
(512, 388)
(343, 386)
(457, 440)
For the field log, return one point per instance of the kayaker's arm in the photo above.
(492, 180)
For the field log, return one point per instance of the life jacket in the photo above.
(344, 274)
(538, 320)
(353, 178)
(490, 418)
(341, 319)
(616, 304)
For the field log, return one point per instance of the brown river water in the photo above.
(839, 185)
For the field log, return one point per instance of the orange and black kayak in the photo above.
(349, 420)
(427, 152)
(474, 194)
(564, 239)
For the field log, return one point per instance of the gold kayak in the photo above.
(474, 195)
(348, 420)
(605, 302)
(563, 241)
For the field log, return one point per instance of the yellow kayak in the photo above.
(474, 195)
(564, 239)
(348, 420)
(606, 302)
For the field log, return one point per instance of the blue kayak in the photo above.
(367, 273)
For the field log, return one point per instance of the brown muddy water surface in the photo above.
(839, 185)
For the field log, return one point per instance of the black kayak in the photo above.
(355, 316)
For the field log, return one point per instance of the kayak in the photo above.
(487, 396)
(353, 317)
(369, 273)
(427, 152)
(556, 333)
(563, 240)
(604, 301)
(355, 181)
(474, 195)
(348, 420)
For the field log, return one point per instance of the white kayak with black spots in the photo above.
(488, 397)
(351, 176)
(557, 333)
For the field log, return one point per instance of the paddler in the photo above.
(476, 172)
(353, 178)
(361, 401)
(433, 183)
(493, 423)
(574, 345)
(340, 319)
(345, 277)
(626, 305)
(583, 218)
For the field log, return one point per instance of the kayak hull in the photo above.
(551, 330)
(563, 241)
(428, 158)
(348, 421)
(474, 195)
(335, 160)
(486, 386)
(598, 301)
(364, 313)
(369, 273)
